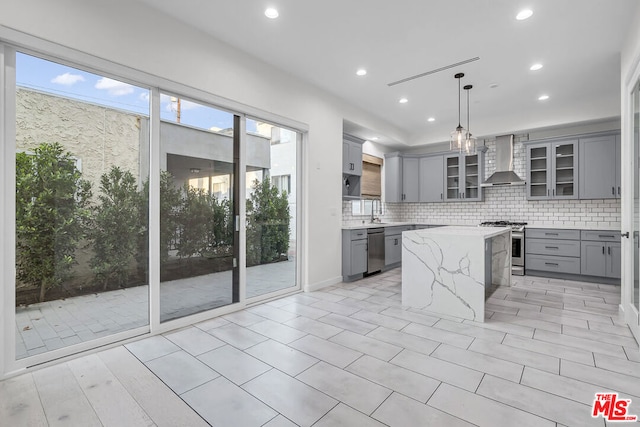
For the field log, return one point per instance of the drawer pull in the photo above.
(551, 263)
(550, 234)
(551, 247)
(603, 236)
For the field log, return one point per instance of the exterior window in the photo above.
(282, 183)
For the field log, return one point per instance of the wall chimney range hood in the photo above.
(504, 174)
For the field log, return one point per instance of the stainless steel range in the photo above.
(517, 243)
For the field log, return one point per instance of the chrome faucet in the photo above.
(373, 204)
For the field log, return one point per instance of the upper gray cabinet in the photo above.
(351, 157)
(410, 179)
(463, 175)
(351, 169)
(402, 175)
(552, 170)
(600, 167)
(422, 178)
(393, 178)
(431, 179)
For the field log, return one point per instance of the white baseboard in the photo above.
(323, 284)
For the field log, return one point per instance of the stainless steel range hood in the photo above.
(504, 174)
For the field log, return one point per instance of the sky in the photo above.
(51, 77)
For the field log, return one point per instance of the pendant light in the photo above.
(470, 140)
(456, 142)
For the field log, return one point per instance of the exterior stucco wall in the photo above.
(100, 137)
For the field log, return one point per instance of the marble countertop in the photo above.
(459, 230)
(375, 225)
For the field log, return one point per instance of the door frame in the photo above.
(627, 307)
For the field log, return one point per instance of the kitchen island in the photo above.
(449, 270)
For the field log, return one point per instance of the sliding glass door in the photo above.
(129, 210)
(271, 208)
(198, 244)
(81, 204)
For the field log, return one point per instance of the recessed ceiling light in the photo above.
(403, 100)
(524, 14)
(543, 97)
(375, 138)
(271, 13)
(361, 72)
(431, 119)
(535, 67)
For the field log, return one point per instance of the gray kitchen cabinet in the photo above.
(354, 253)
(393, 244)
(614, 269)
(351, 157)
(599, 167)
(401, 178)
(392, 249)
(600, 254)
(358, 256)
(552, 170)
(392, 178)
(410, 179)
(351, 169)
(593, 259)
(431, 179)
(552, 251)
(463, 175)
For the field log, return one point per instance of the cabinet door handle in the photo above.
(551, 263)
(603, 250)
(548, 191)
(608, 250)
(396, 242)
(613, 190)
(441, 196)
(554, 192)
(618, 190)
(551, 247)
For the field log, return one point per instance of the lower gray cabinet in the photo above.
(615, 258)
(600, 254)
(593, 259)
(354, 253)
(358, 257)
(392, 249)
(552, 250)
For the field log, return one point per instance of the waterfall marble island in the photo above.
(449, 270)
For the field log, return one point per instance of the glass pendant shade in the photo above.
(470, 144)
(470, 140)
(457, 140)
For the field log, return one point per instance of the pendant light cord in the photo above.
(459, 102)
(468, 132)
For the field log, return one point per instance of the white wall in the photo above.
(130, 34)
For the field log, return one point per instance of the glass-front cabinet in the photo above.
(463, 176)
(552, 171)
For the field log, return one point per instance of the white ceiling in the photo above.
(325, 42)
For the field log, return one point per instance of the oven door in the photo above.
(517, 253)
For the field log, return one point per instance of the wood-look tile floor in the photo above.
(352, 355)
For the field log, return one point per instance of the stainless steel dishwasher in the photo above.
(375, 253)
